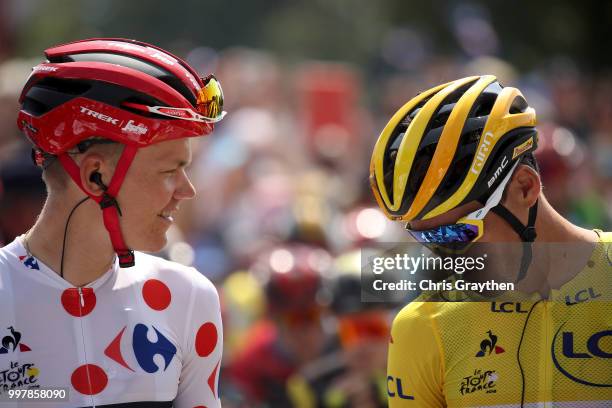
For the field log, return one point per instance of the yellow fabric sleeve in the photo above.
(415, 367)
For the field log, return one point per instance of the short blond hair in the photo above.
(55, 176)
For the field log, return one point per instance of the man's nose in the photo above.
(185, 190)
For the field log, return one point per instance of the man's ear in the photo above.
(95, 173)
(524, 188)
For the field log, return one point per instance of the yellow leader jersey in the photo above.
(529, 353)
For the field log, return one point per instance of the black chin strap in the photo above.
(527, 233)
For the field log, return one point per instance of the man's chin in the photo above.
(153, 245)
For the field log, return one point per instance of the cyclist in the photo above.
(351, 373)
(455, 163)
(79, 308)
(291, 334)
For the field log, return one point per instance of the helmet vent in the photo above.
(519, 105)
(52, 92)
(68, 86)
(139, 65)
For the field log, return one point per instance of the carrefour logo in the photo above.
(144, 350)
(583, 357)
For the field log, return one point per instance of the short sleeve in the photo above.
(198, 384)
(415, 371)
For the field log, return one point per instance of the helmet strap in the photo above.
(527, 233)
(108, 202)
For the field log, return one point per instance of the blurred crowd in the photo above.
(284, 206)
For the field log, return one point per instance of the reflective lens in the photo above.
(454, 237)
(210, 99)
(445, 234)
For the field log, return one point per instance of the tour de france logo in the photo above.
(481, 381)
(16, 374)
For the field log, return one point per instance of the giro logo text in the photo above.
(482, 153)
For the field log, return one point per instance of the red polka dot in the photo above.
(89, 379)
(79, 304)
(206, 339)
(212, 379)
(156, 294)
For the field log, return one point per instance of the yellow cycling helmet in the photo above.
(450, 145)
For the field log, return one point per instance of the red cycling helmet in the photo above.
(121, 90)
(292, 277)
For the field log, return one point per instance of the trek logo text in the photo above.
(100, 116)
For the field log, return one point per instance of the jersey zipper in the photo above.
(546, 390)
(83, 338)
(81, 298)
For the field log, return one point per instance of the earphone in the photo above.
(96, 178)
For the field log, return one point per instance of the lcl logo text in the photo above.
(581, 296)
(507, 307)
(593, 346)
(396, 389)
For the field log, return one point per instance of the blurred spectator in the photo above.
(292, 334)
(22, 194)
(354, 375)
(564, 160)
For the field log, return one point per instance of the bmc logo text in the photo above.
(98, 115)
(482, 153)
(396, 389)
(498, 171)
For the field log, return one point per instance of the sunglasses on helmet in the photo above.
(364, 326)
(460, 236)
(209, 105)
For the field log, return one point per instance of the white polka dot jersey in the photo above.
(146, 336)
